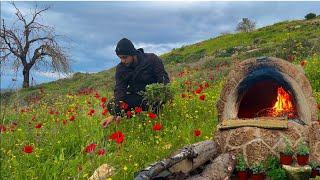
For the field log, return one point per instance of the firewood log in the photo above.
(183, 160)
(220, 169)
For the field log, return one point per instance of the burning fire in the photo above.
(284, 102)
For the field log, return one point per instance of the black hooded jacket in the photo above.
(149, 70)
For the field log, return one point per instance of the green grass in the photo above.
(269, 38)
(58, 147)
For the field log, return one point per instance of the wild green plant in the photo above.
(257, 168)
(274, 169)
(157, 94)
(313, 165)
(241, 164)
(303, 149)
(288, 147)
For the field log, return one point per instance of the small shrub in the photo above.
(297, 48)
(277, 174)
(157, 93)
(310, 16)
(241, 164)
(303, 149)
(257, 168)
(313, 165)
(274, 168)
(288, 148)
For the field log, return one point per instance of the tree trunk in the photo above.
(203, 151)
(183, 160)
(26, 76)
(220, 169)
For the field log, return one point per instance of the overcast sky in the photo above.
(96, 27)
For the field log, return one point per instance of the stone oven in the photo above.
(252, 123)
(263, 102)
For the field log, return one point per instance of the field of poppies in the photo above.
(58, 136)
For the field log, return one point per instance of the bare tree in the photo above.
(32, 44)
(246, 25)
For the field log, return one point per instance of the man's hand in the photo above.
(104, 123)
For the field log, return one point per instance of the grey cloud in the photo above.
(96, 27)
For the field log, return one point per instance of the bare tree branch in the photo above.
(31, 43)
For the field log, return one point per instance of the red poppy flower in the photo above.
(22, 110)
(187, 83)
(51, 112)
(202, 97)
(183, 95)
(72, 118)
(181, 74)
(124, 105)
(197, 132)
(118, 136)
(38, 125)
(318, 107)
(118, 120)
(289, 58)
(129, 114)
(90, 148)
(97, 95)
(103, 105)
(91, 112)
(115, 135)
(34, 118)
(206, 85)
(120, 139)
(3, 128)
(211, 78)
(57, 112)
(101, 152)
(198, 91)
(138, 109)
(28, 149)
(152, 115)
(104, 99)
(302, 63)
(64, 121)
(157, 127)
(89, 102)
(41, 91)
(104, 112)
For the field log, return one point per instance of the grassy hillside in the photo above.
(266, 41)
(52, 131)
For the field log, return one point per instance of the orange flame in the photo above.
(284, 102)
